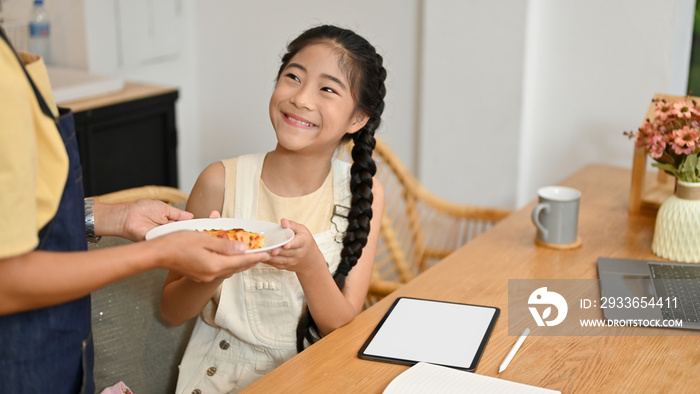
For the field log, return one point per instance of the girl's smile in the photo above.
(297, 121)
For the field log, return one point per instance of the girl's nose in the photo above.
(302, 99)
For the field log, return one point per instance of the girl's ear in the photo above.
(359, 121)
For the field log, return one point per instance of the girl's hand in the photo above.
(214, 215)
(301, 254)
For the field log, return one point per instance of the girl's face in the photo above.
(311, 107)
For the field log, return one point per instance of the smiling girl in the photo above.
(329, 89)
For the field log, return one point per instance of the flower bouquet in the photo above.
(672, 138)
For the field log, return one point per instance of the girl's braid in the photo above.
(370, 101)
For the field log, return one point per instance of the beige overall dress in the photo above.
(254, 325)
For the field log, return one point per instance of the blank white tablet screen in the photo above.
(432, 331)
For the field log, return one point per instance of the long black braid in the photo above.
(365, 72)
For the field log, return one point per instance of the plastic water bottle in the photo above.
(39, 32)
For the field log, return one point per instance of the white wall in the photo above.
(240, 45)
(472, 99)
(591, 69)
(517, 95)
(487, 99)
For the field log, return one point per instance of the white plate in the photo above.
(275, 235)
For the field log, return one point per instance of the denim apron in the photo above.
(50, 350)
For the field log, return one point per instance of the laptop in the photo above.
(673, 288)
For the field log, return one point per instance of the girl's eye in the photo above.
(329, 90)
(293, 77)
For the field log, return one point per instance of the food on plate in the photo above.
(250, 239)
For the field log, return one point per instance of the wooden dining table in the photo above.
(478, 273)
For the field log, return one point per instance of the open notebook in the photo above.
(424, 378)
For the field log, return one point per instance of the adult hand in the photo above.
(204, 258)
(133, 220)
(300, 254)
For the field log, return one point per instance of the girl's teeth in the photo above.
(300, 122)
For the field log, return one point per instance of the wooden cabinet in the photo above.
(127, 139)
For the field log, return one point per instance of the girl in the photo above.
(329, 88)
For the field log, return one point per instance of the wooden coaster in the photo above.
(573, 245)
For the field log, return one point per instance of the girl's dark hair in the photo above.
(364, 70)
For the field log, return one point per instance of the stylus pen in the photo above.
(512, 351)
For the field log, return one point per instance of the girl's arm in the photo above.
(330, 307)
(182, 298)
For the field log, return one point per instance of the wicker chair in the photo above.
(418, 227)
(166, 194)
(133, 343)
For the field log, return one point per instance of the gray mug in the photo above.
(556, 215)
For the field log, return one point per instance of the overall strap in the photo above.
(248, 172)
(42, 103)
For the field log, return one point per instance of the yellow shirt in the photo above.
(33, 159)
(272, 208)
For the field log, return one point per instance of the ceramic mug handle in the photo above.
(536, 218)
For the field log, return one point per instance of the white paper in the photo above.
(424, 378)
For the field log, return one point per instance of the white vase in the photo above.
(677, 231)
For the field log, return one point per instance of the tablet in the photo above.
(437, 332)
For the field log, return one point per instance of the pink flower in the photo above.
(685, 134)
(656, 146)
(679, 150)
(641, 136)
(662, 109)
(681, 109)
(684, 140)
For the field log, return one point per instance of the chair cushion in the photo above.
(133, 343)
